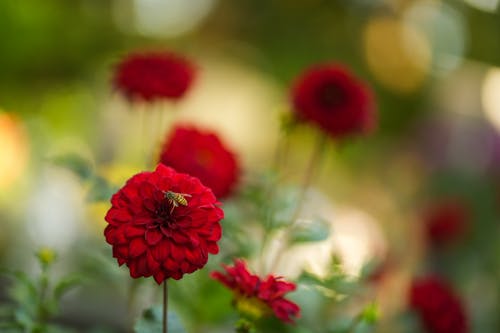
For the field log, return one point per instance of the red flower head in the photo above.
(155, 75)
(202, 155)
(439, 308)
(446, 222)
(332, 98)
(256, 297)
(163, 224)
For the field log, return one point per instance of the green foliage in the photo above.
(151, 321)
(35, 300)
(81, 166)
(100, 189)
(310, 231)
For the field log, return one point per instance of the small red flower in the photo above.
(154, 75)
(256, 297)
(203, 155)
(439, 308)
(446, 221)
(163, 224)
(332, 98)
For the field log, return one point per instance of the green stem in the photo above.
(312, 168)
(44, 284)
(165, 306)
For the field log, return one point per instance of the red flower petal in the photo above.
(137, 247)
(270, 292)
(153, 236)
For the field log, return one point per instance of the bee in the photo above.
(176, 199)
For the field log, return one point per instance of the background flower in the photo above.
(154, 75)
(439, 308)
(155, 237)
(255, 296)
(332, 98)
(203, 155)
(446, 221)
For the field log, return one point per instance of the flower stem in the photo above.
(311, 170)
(165, 307)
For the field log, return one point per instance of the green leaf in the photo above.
(77, 163)
(310, 231)
(370, 314)
(23, 319)
(66, 284)
(24, 290)
(100, 190)
(151, 322)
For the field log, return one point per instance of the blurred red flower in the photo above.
(438, 307)
(446, 221)
(332, 98)
(163, 224)
(203, 155)
(256, 297)
(154, 75)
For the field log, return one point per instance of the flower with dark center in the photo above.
(203, 155)
(255, 297)
(154, 75)
(330, 97)
(163, 224)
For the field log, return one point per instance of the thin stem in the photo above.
(312, 167)
(314, 163)
(165, 306)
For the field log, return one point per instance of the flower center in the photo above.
(251, 307)
(331, 95)
(164, 213)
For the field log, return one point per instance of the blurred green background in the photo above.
(434, 67)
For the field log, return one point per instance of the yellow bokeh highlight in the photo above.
(95, 213)
(397, 54)
(490, 97)
(13, 149)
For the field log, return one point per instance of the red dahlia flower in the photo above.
(255, 297)
(332, 98)
(439, 308)
(446, 222)
(163, 224)
(202, 155)
(155, 75)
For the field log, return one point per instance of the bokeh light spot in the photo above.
(13, 148)
(397, 54)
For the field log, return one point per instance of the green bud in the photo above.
(46, 256)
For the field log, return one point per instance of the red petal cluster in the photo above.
(439, 308)
(446, 221)
(203, 155)
(270, 291)
(155, 75)
(333, 99)
(155, 237)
